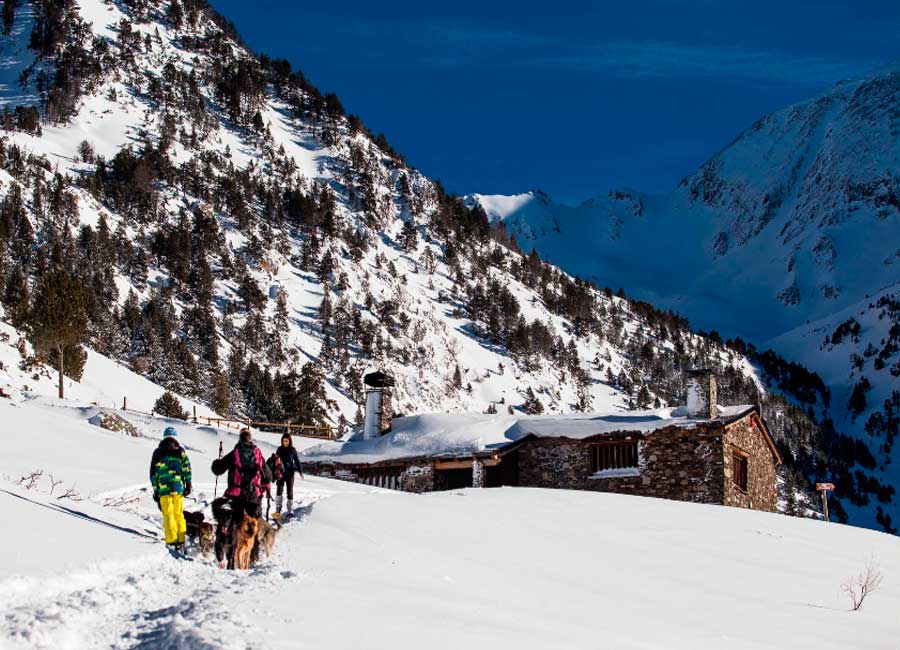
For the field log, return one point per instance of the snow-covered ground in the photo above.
(362, 567)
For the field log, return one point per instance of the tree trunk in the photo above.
(61, 366)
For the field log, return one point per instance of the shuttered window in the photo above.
(614, 455)
(740, 469)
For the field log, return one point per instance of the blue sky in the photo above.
(571, 97)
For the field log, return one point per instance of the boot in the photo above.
(278, 505)
(290, 509)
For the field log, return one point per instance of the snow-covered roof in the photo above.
(450, 435)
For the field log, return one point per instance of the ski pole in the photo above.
(216, 487)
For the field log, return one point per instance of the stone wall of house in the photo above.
(554, 463)
(479, 475)
(761, 493)
(675, 463)
(418, 478)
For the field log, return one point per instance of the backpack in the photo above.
(248, 462)
(276, 467)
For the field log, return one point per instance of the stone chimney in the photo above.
(702, 395)
(379, 411)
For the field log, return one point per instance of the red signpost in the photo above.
(824, 488)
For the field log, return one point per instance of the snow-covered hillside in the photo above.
(400, 303)
(505, 568)
(232, 224)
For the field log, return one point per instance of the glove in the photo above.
(156, 499)
(187, 489)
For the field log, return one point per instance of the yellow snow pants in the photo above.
(174, 526)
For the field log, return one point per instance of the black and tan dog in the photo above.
(239, 536)
(245, 540)
(200, 531)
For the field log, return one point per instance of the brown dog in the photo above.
(266, 536)
(247, 531)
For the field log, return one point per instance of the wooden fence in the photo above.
(302, 430)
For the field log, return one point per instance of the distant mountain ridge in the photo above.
(787, 237)
(782, 212)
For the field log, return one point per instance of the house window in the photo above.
(740, 469)
(614, 455)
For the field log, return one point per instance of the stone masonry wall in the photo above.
(761, 494)
(675, 463)
(418, 478)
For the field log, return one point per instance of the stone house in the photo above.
(699, 452)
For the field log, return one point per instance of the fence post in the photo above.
(125, 403)
(195, 414)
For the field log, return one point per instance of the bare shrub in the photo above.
(54, 484)
(30, 481)
(118, 502)
(72, 494)
(858, 586)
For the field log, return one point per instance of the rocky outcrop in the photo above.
(114, 422)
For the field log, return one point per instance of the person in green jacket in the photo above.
(170, 476)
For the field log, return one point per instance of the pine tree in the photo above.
(278, 333)
(428, 261)
(532, 405)
(220, 400)
(58, 320)
(168, 406)
(408, 236)
(15, 298)
(314, 403)
(643, 398)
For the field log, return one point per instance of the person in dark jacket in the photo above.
(290, 464)
(170, 476)
(248, 475)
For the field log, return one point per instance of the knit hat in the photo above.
(170, 431)
(287, 436)
(246, 436)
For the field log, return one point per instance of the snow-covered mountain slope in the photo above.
(795, 220)
(264, 228)
(779, 239)
(505, 568)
